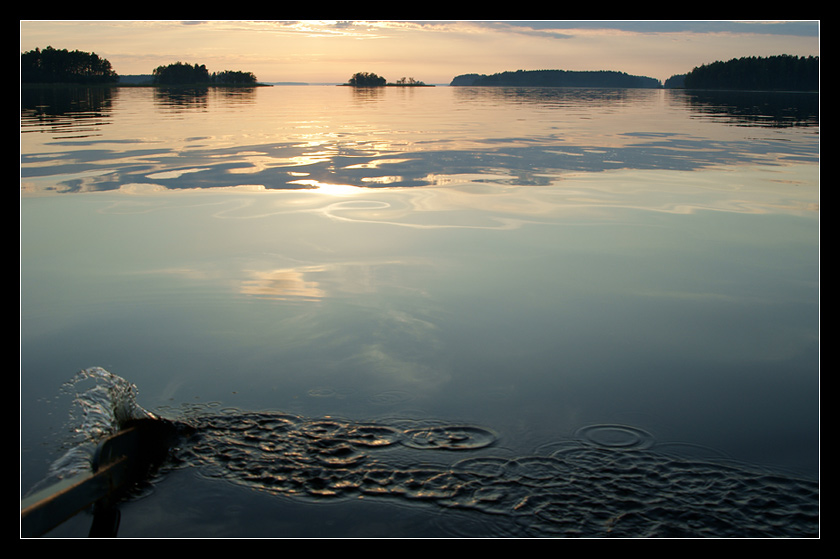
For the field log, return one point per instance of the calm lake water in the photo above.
(429, 311)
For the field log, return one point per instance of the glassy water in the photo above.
(430, 311)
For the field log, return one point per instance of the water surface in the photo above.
(535, 294)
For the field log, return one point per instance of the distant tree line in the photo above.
(62, 66)
(180, 73)
(557, 78)
(774, 73)
(676, 81)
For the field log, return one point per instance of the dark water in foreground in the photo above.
(442, 479)
(434, 313)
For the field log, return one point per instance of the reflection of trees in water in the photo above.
(236, 95)
(50, 105)
(72, 106)
(753, 108)
(554, 96)
(188, 98)
(66, 111)
(746, 108)
(366, 94)
(181, 97)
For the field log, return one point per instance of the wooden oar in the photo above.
(120, 461)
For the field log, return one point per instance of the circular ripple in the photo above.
(451, 437)
(541, 469)
(616, 437)
(374, 435)
(324, 429)
(483, 466)
(329, 392)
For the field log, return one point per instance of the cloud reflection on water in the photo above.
(282, 285)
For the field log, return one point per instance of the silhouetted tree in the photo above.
(62, 66)
(409, 81)
(774, 73)
(181, 74)
(366, 79)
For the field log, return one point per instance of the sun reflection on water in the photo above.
(331, 189)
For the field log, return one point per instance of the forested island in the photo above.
(185, 74)
(557, 78)
(774, 73)
(60, 66)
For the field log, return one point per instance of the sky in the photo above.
(433, 51)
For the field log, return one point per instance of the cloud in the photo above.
(549, 27)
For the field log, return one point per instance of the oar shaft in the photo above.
(43, 511)
(119, 461)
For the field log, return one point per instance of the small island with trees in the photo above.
(369, 79)
(185, 74)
